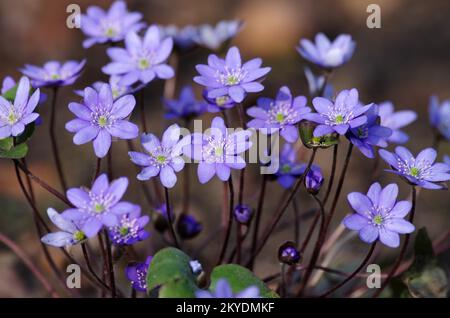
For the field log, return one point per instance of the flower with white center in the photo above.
(130, 228)
(70, 233)
(54, 73)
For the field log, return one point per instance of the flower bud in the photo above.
(314, 180)
(307, 136)
(288, 253)
(188, 227)
(161, 219)
(243, 214)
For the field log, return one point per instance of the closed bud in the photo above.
(288, 253)
(188, 227)
(243, 214)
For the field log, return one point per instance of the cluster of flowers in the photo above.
(106, 108)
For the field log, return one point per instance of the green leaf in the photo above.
(10, 95)
(426, 278)
(6, 144)
(240, 278)
(180, 288)
(306, 130)
(169, 265)
(16, 152)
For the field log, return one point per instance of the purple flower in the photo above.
(223, 290)
(102, 26)
(325, 53)
(53, 73)
(315, 84)
(163, 158)
(420, 171)
(369, 135)
(186, 106)
(440, 116)
(218, 151)
(7, 84)
(214, 37)
(70, 233)
(281, 114)
(345, 113)
(188, 227)
(184, 39)
(117, 89)
(230, 77)
(395, 121)
(378, 215)
(100, 206)
(130, 227)
(447, 160)
(289, 168)
(137, 274)
(143, 59)
(218, 104)
(100, 118)
(314, 179)
(15, 116)
(243, 213)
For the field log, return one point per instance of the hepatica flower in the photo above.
(186, 106)
(15, 116)
(370, 135)
(163, 158)
(143, 59)
(214, 37)
(137, 274)
(447, 160)
(218, 151)
(116, 89)
(289, 168)
(100, 206)
(229, 77)
(130, 228)
(184, 39)
(421, 170)
(54, 73)
(7, 84)
(281, 114)
(379, 215)
(315, 84)
(69, 234)
(100, 118)
(395, 120)
(223, 290)
(102, 26)
(440, 116)
(345, 113)
(314, 179)
(325, 53)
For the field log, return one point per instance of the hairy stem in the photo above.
(332, 175)
(169, 219)
(229, 221)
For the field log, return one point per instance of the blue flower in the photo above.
(130, 227)
(230, 77)
(117, 90)
(379, 215)
(289, 168)
(395, 120)
(421, 170)
(214, 37)
(54, 74)
(440, 116)
(70, 233)
(184, 39)
(325, 53)
(137, 274)
(186, 106)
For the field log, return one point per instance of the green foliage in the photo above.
(306, 134)
(9, 151)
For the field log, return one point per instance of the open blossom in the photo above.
(186, 106)
(15, 116)
(214, 37)
(54, 73)
(395, 120)
(100, 206)
(345, 113)
(281, 114)
(100, 118)
(102, 26)
(229, 77)
(218, 151)
(143, 59)
(440, 116)
(379, 215)
(130, 227)
(325, 53)
(223, 290)
(7, 84)
(137, 274)
(421, 170)
(116, 89)
(289, 168)
(163, 158)
(370, 135)
(70, 233)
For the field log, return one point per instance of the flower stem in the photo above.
(229, 221)
(54, 144)
(283, 280)
(30, 264)
(169, 219)
(296, 221)
(271, 226)
(143, 113)
(112, 281)
(403, 250)
(353, 274)
(239, 238)
(98, 167)
(310, 232)
(91, 269)
(332, 175)
(110, 163)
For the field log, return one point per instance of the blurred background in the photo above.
(405, 61)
